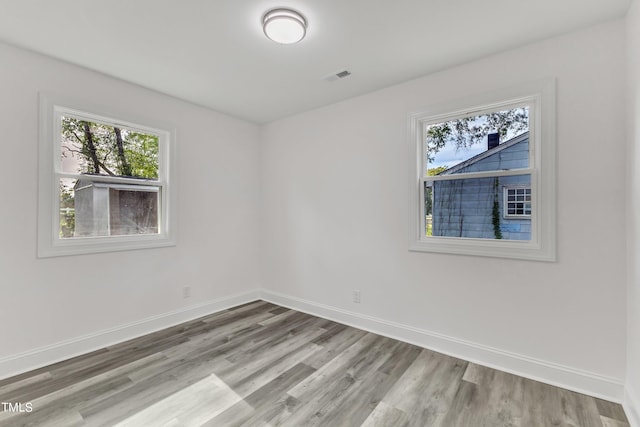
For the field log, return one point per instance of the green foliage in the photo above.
(468, 131)
(67, 212)
(436, 171)
(495, 213)
(142, 153)
(428, 207)
(96, 149)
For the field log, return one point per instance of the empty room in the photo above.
(331, 213)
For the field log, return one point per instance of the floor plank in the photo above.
(260, 364)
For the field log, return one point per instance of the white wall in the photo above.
(336, 213)
(46, 301)
(632, 398)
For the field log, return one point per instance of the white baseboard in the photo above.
(632, 407)
(43, 356)
(607, 388)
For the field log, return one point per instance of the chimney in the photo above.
(493, 140)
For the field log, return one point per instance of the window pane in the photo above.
(475, 208)
(99, 149)
(428, 209)
(93, 209)
(487, 142)
(67, 208)
(133, 212)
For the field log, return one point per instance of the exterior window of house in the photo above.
(483, 175)
(518, 202)
(104, 181)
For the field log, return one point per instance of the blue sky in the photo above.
(450, 155)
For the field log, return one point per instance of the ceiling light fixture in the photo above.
(284, 26)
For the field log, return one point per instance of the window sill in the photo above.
(89, 245)
(487, 248)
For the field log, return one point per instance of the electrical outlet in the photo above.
(356, 296)
(186, 292)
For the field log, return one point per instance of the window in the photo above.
(518, 202)
(104, 181)
(482, 175)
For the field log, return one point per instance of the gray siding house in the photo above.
(488, 208)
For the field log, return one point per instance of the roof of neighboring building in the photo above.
(475, 159)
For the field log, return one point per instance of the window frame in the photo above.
(540, 95)
(50, 244)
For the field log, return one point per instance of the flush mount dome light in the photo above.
(284, 26)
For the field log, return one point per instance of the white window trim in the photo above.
(49, 242)
(505, 202)
(542, 167)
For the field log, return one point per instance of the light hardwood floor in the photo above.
(264, 365)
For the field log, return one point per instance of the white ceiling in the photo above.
(213, 52)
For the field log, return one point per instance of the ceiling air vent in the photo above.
(337, 76)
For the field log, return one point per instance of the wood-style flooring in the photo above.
(264, 365)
